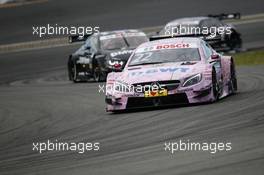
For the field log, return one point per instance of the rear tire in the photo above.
(235, 42)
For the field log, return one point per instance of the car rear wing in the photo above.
(207, 38)
(78, 38)
(224, 16)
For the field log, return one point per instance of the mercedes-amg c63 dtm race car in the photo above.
(171, 71)
(102, 53)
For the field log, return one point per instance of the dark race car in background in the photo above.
(102, 53)
(224, 38)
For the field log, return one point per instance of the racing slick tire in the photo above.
(215, 87)
(98, 75)
(70, 69)
(235, 43)
(233, 78)
(75, 73)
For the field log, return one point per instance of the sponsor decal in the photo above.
(159, 70)
(84, 60)
(123, 52)
(172, 46)
(158, 93)
(166, 46)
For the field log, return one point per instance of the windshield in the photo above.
(113, 43)
(163, 56)
(119, 41)
(135, 41)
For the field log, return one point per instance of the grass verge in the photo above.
(249, 58)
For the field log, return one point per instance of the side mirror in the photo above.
(215, 57)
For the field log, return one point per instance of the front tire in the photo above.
(75, 73)
(70, 68)
(233, 78)
(215, 86)
(98, 75)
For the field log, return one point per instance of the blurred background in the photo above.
(17, 19)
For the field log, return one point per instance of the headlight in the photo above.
(111, 63)
(123, 87)
(192, 80)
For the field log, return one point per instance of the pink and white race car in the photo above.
(171, 71)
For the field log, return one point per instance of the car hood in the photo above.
(160, 72)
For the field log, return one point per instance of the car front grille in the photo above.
(168, 84)
(139, 102)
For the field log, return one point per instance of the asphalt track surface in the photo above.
(38, 103)
(47, 106)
